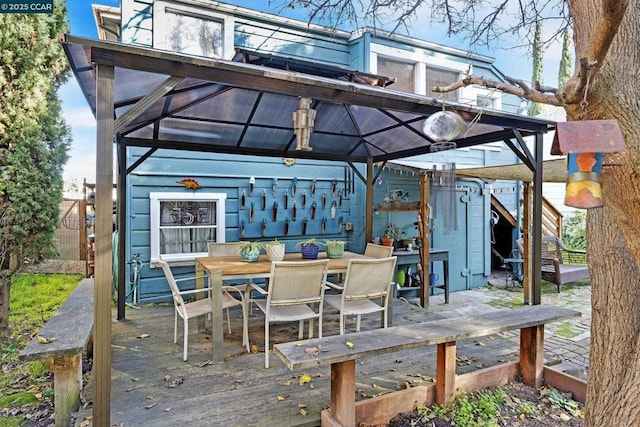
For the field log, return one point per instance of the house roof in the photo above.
(177, 101)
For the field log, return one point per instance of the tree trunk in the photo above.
(5, 290)
(613, 232)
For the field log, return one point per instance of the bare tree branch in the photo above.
(513, 87)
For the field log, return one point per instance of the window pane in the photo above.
(195, 36)
(185, 240)
(437, 77)
(187, 213)
(403, 73)
(484, 102)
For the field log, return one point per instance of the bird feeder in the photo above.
(584, 142)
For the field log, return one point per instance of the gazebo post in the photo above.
(104, 229)
(368, 234)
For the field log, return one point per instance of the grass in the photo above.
(34, 299)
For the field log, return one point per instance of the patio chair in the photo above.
(201, 307)
(296, 291)
(378, 251)
(366, 289)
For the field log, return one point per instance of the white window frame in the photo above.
(160, 27)
(154, 210)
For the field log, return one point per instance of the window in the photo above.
(403, 72)
(192, 35)
(182, 224)
(440, 77)
(485, 102)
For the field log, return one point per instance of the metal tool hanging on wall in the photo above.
(274, 187)
(264, 199)
(334, 187)
(324, 200)
(313, 188)
(251, 212)
(304, 199)
(340, 193)
(242, 229)
(324, 225)
(340, 223)
(264, 227)
(252, 183)
(294, 185)
(313, 210)
(286, 226)
(274, 211)
(334, 209)
(286, 198)
(243, 198)
(304, 226)
(294, 211)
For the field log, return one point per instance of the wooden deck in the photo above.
(151, 385)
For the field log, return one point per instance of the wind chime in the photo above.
(585, 142)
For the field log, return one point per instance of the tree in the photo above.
(564, 71)
(33, 142)
(603, 86)
(536, 76)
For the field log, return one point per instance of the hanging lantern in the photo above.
(442, 127)
(584, 142)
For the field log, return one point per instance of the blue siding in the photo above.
(230, 174)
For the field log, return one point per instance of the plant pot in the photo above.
(275, 252)
(386, 242)
(309, 251)
(249, 254)
(335, 250)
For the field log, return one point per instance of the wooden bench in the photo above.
(560, 265)
(343, 409)
(71, 328)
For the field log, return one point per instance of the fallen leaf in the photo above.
(298, 344)
(281, 397)
(305, 379)
(565, 417)
(350, 344)
(151, 405)
(143, 336)
(286, 383)
(312, 351)
(205, 363)
(43, 340)
(135, 379)
(255, 349)
(150, 397)
(167, 377)
(303, 411)
(480, 343)
(301, 405)
(376, 386)
(167, 409)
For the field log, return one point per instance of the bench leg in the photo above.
(532, 355)
(445, 372)
(343, 392)
(67, 382)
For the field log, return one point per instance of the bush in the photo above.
(574, 231)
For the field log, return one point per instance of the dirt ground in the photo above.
(524, 407)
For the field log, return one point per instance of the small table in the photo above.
(231, 267)
(435, 255)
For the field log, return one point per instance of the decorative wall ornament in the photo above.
(190, 184)
(303, 123)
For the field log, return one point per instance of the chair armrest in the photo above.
(254, 287)
(194, 291)
(334, 286)
(235, 290)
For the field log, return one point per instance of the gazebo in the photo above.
(148, 98)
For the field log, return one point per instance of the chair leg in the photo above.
(186, 339)
(266, 343)
(310, 328)
(245, 327)
(320, 325)
(229, 320)
(342, 320)
(358, 323)
(300, 329)
(175, 326)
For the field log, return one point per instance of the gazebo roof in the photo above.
(176, 101)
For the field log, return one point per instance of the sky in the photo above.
(81, 163)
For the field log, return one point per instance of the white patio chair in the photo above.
(378, 251)
(366, 289)
(296, 290)
(201, 307)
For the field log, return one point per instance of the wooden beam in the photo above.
(104, 251)
(343, 392)
(217, 345)
(445, 372)
(565, 382)
(144, 103)
(526, 244)
(423, 227)
(67, 382)
(532, 355)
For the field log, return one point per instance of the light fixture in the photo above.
(303, 122)
(442, 127)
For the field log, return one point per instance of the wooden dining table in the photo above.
(231, 267)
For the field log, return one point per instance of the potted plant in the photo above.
(275, 250)
(309, 248)
(335, 248)
(390, 234)
(249, 251)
